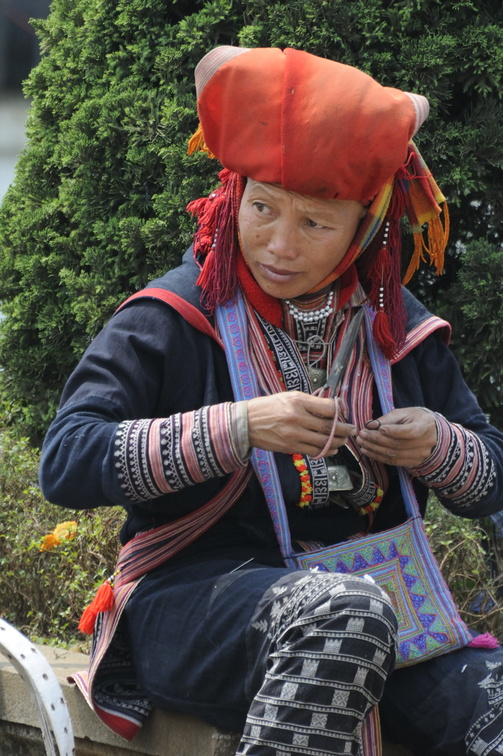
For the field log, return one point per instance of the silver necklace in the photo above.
(310, 316)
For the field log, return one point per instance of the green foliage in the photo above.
(474, 307)
(470, 558)
(43, 593)
(97, 206)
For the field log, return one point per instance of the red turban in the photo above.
(309, 124)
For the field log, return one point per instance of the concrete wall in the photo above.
(164, 734)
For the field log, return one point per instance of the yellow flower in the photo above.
(65, 531)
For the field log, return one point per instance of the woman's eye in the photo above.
(261, 207)
(313, 224)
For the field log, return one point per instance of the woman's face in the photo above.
(292, 242)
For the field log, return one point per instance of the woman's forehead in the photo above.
(303, 202)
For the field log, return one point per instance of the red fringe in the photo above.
(216, 239)
(382, 334)
(399, 197)
(379, 269)
(102, 602)
(393, 298)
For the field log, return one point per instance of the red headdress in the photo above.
(324, 129)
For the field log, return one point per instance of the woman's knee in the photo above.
(333, 598)
(345, 611)
(343, 621)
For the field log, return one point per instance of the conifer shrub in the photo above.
(97, 207)
(474, 307)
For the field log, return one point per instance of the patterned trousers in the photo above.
(323, 646)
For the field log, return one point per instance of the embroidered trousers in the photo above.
(294, 659)
(240, 647)
(326, 646)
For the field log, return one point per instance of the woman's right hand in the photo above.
(295, 423)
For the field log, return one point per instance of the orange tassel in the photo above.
(437, 240)
(437, 234)
(416, 258)
(102, 602)
(197, 144)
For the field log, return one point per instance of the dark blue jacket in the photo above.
(149, 362)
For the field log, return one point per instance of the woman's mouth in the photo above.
(277, 274)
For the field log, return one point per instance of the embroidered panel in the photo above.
(460, 468)
(159, 456)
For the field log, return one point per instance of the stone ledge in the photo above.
(164, 734)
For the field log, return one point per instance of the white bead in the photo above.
(308, 316)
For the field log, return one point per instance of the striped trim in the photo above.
(152, 548)
(418, 334)
(155, 457)
(212, 61)
(422, 108)
(460, 468)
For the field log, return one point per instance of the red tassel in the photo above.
(382, 334)
(378, 274)
(216, 239)
(207, 270)
(102, 602)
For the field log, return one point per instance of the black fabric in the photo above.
(203, 636)
(449, 706)
(133, 370)
(187, 631)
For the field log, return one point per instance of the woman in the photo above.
(319, 169)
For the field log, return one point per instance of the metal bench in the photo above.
(44, 689)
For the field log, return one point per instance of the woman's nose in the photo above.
(283, 240)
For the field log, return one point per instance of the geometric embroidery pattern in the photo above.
(428, 621)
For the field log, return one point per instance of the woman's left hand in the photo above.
(403, 437)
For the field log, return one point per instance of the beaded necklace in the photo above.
(309, 321)
(311, 315)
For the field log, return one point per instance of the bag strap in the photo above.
(382, 376)
(232, 323)
(190, 313)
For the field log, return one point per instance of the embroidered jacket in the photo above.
(147, 421)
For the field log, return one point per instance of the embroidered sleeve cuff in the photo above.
(154, 457)
(459, 468)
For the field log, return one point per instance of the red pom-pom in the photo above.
(102, 602)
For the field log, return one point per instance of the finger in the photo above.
(319, 406)
(342, 430)
(392, 452)
(378, 450)
(391, 433)
(380, 443)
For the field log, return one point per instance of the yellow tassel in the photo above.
(438, 235)
(197, 144)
